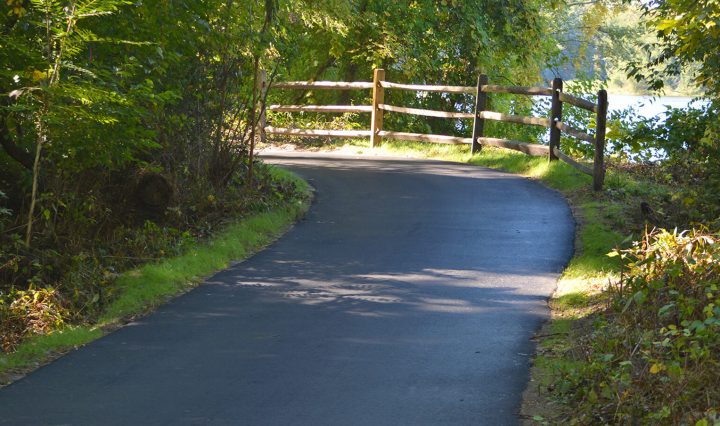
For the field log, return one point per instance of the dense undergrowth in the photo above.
(652, 356)
(41, 320)
(78, 277)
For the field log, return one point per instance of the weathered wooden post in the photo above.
(262, 122)
(555, 117)
(480, 105)
(376, 121)
(600, 127)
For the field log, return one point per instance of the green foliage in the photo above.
(676, 151)
(687, 33)
(585, 32)
(411, 39)
(600, 40)
(652, 357)
(412, 42)
(82, 273)
(97, 96)
(55, 96)
(678, 133)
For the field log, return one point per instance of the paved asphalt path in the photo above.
(408, 296)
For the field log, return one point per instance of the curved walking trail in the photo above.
(408, 296)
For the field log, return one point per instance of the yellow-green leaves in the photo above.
(667, 25)
(688, 34)
(656, 368)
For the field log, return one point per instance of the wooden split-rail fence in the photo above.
(480, 91)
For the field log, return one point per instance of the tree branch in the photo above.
(14, 151)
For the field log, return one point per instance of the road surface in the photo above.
(407, 296)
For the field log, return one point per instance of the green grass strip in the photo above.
(142, 289)
(38, 348)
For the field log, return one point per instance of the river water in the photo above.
(648, 106)
(651, 107)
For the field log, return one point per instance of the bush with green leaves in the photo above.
(687, 36)
(653, 357)
(677, 133)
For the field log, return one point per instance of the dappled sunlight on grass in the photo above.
(557, 174)
(574, 300)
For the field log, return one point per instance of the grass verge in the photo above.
(143, 289)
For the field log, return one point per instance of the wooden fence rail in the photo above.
(376, 132)
(328, 85)
(320, 108)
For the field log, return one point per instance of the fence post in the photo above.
(480, 105)
(555, 116)
(600, 126)
(263, 119)
(376, 121)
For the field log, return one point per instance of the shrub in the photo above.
(27, 312)
(654, 355)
